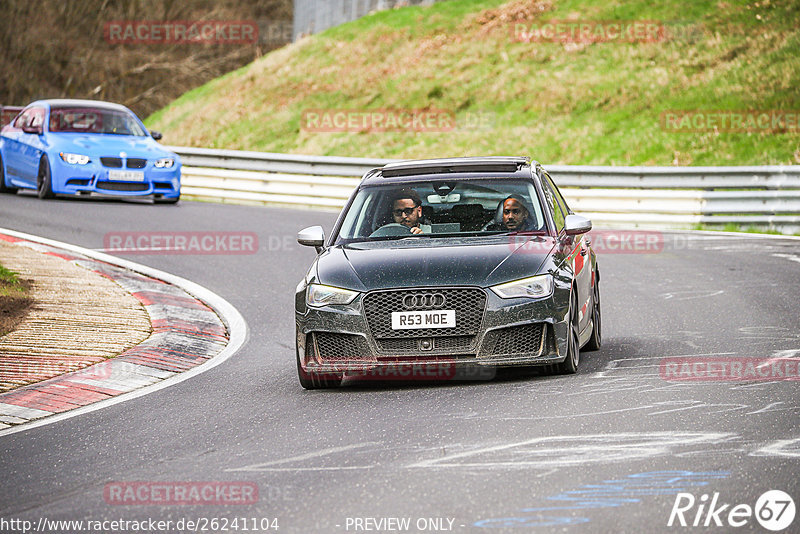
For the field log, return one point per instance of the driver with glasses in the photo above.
(406, 207)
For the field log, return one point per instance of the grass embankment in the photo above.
(574, 103)
(15, 300)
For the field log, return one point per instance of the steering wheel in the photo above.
(391, 230)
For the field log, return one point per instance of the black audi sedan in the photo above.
(439, 265)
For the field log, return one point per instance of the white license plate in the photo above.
(423, 319)
(126, 176)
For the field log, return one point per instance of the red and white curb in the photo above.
(193, 330)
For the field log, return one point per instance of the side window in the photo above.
(37, 117)
(558, 195)
(22, 119)
(552, 203)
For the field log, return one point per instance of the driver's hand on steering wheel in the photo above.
(415, 230)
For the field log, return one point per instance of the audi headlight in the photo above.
(165, 163)
(74, 159)
(534, 287)
(320, 295)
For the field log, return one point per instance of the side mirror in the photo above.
(156, 135)
(313, 236)
(576, 225)
(32, 129)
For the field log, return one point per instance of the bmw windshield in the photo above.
(443, 208)
(94, 121)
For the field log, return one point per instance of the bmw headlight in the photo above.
(534, 287)
(165, 163)
(320, 295)
(74, 159)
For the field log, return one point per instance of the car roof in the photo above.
(74, 102)
(488, 167)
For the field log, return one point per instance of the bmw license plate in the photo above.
(423, 319)
(126, 176)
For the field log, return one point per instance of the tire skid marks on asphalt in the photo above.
(691, 294)
(787, 448)
(790, 257)
(618, 366)
(313, 455)
(651, 409)
(615, 365)
(571, 451)
(543, 454)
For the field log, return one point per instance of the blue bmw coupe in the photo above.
(86, 147)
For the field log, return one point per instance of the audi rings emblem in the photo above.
(423, 301)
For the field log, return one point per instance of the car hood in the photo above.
(112, 145)
(433, 262)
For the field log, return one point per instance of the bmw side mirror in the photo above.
(313, 236)
(32, 130)
(576, 225)
(156, 135)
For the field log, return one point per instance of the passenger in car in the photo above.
(406, 208)
(514, 216)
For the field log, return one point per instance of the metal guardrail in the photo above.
(661, 197)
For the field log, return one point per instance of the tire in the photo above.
(596, 340)
(311, 380)
(570, 364)
(44, 183)
(3, 187)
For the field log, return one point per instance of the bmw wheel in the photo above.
(44, 184)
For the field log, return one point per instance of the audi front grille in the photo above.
(468, 303)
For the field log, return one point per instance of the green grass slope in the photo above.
(574, 103)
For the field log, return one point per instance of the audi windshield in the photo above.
(442, 208)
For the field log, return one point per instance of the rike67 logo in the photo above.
(774, 510)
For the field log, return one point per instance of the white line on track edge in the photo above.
(237, 328)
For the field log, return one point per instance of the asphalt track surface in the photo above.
(606, 450)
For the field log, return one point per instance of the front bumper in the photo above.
(93, 179)
(512, 332)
